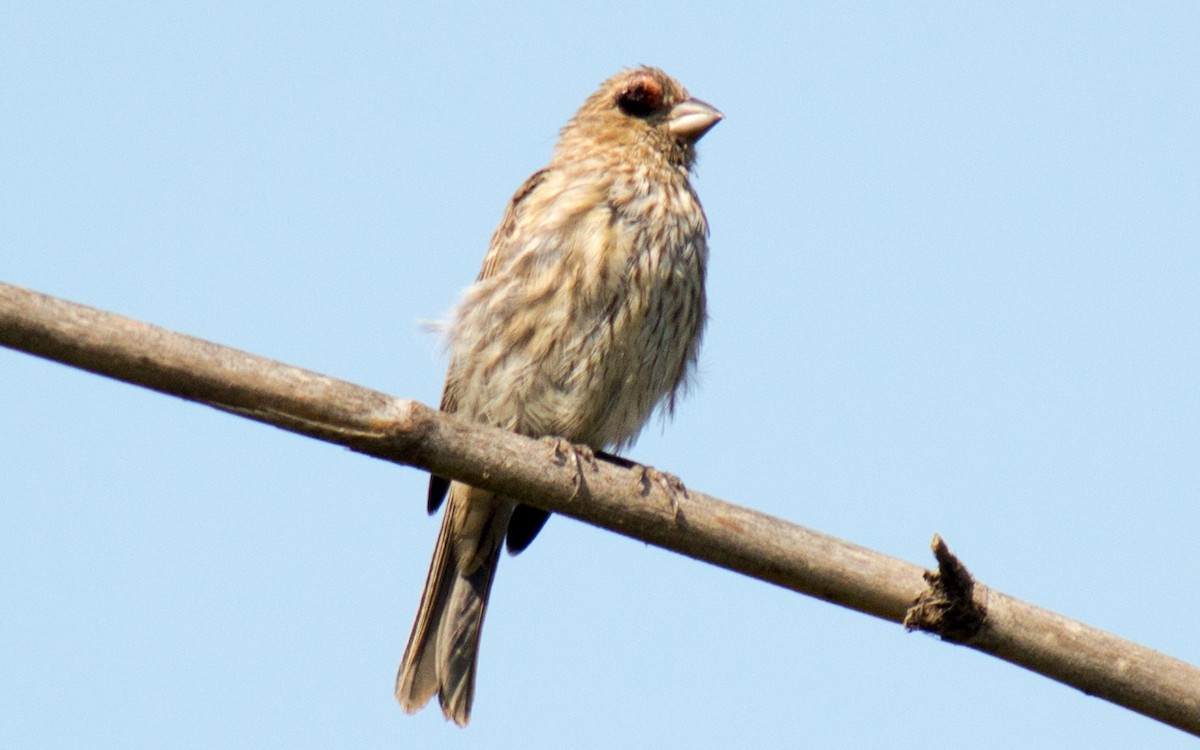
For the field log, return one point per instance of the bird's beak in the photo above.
(692, 118)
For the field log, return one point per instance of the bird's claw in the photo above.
(563, 450)
(671, 484)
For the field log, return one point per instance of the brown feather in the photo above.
(586, 317)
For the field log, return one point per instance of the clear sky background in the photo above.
(955, 288)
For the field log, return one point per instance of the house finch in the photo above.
(586, 317)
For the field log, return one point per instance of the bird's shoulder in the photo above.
(504, 237)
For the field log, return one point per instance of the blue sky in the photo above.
(955, 288)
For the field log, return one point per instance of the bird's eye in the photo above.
(640, 97)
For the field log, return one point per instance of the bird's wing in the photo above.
(500, 250)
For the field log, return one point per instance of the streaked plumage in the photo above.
(586, 317)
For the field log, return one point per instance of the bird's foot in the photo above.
(563, 450)
(671, 484)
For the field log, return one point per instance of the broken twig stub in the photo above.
(947, 608)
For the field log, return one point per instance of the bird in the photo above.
(585, 319)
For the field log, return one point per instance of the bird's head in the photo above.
(640, 108)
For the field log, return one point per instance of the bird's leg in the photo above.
(563, 450)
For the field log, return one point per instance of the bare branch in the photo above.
(611, 496)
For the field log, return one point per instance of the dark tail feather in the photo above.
(526, 522)
(458, 639)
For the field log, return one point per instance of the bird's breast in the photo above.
(595, 323)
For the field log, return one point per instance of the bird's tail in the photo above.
(443, 648)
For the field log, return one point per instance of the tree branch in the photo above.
(615, 497)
